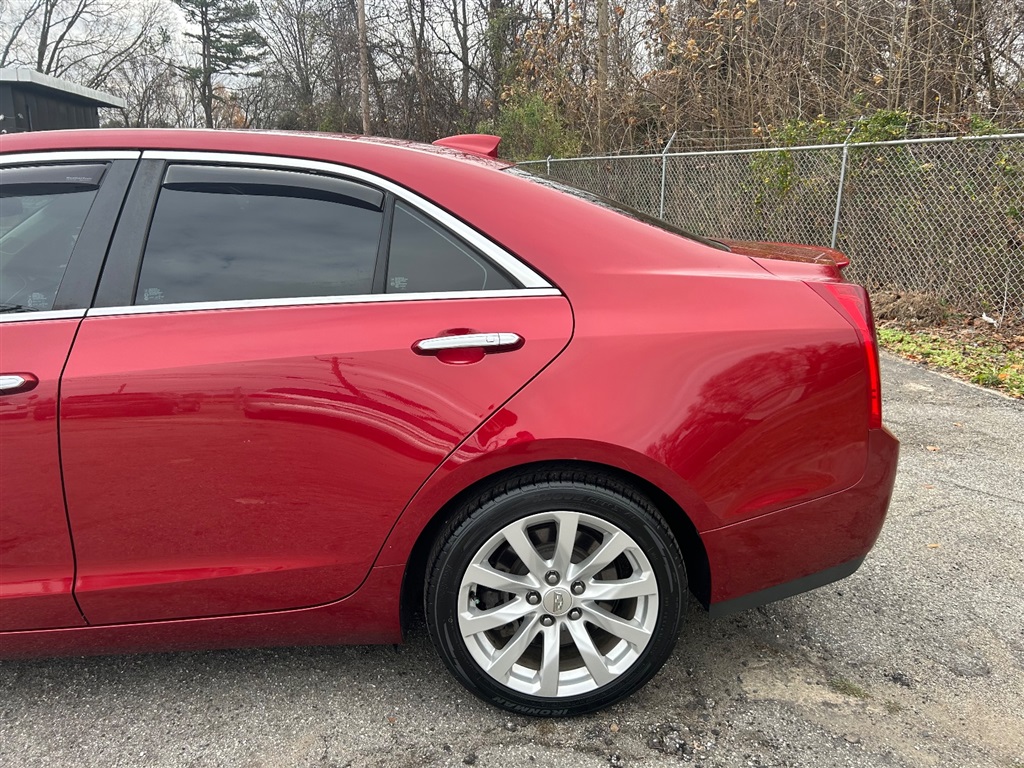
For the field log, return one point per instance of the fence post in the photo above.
(549, 165)
(664, 163)
(842, 182)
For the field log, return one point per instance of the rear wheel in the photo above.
(556, 593)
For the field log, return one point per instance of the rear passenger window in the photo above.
(425, 257)
(223, 234)
(42, 210)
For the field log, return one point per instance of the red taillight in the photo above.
(853, 303)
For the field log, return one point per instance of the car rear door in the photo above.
(249, 407)
(57, 211)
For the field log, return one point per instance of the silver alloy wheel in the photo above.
(558, 604)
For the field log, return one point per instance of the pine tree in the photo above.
(228, 41)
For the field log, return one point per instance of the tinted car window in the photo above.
(222, 234)
(425, 257)
(42, 210)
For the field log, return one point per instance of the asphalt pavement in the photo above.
(915, 660)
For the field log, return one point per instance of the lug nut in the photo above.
(575, 614)
(551, 577)
(578, 587)
(533, 598)
(547, 621)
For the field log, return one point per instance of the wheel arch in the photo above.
(695, 558)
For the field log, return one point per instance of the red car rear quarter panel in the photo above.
(737, 396)
(739, 393)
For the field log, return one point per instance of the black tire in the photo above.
(576, 641)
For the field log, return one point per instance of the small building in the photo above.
(32, 101)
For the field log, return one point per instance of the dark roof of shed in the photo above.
(40, 83)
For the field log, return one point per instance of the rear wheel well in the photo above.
(695, 557)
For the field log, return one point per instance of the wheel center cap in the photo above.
(557, 601)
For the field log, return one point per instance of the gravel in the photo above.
(915, 660)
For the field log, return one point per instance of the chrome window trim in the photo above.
(365, 298)
(526, 276)
(69, 156)
(51, 314)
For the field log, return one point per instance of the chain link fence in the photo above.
(943, 217)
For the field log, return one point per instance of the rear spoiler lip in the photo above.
(809, 254)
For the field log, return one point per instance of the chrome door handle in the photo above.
(489, 342)
(12, 383)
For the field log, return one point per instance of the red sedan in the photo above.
(263, 389)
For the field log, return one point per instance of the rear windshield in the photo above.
(614, 205)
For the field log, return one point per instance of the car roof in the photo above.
(343, 148)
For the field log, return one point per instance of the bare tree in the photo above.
(18, 16)
(298, 48)
(82, 40)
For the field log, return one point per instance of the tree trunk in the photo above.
(206, 85)
(602, 72)
(462, 32)
(364, 67)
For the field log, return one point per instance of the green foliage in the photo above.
(228, 43)
(880, 125)
(1006, 165)
(883, 125)
(802, 132)
(776, 174)
(981, 126)
(990, 363)
(848, 688)
(225, 32)
(531, 129)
